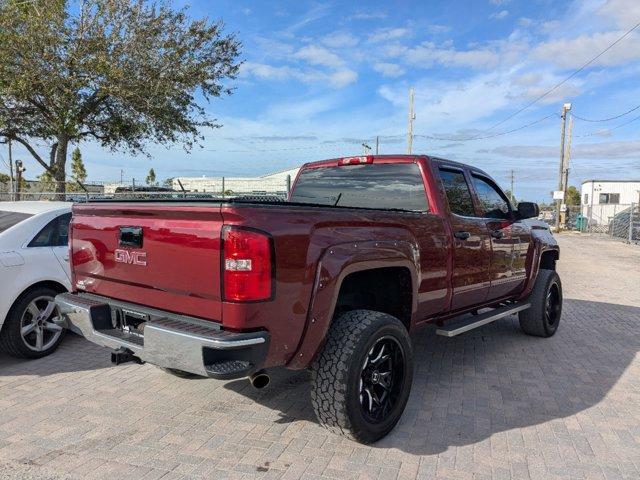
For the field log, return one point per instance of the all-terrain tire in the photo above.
(11, 340)
(336, 373)
(543, 317)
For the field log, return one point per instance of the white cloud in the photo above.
(573, 52)
(629, 149)
(342, 78)
(438, 29)
(389, 69)
(624, 12)
(386, 34)
(499, 15)
(428, 53)
(340, 40)
(367, 16)
(338, 79)
(316, 55)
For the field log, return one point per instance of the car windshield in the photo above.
(9, 219)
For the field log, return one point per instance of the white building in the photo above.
(603, 199)
(273, 183)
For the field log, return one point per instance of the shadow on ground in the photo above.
(74, 354)
(493, 379)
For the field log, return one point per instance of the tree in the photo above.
(78, 171)
(511, 197)
(573, 196)
(4, 178)
(151, 178)
(124, 73)
(168, 182)
(47, 182)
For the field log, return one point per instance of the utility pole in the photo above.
(11, 183)
(367, 148)
(563, 125)
(377, 144)
(567, 158)
(19, 170)
(511, 190)
(412, 117)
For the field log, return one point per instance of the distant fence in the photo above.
(618, 221)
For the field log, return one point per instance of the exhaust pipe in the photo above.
(260, 379)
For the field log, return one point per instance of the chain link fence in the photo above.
(194, 188)
(615, 220)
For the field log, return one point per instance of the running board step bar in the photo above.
(464, 324)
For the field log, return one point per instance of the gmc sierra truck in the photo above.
(336, 279)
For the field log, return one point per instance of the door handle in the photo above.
(497, 233)
(462, 235)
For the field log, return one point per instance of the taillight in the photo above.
(247, 265)
(355, 160)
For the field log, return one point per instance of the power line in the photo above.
(606, 119)
(457, 139)
(599, 132)
(559, 84)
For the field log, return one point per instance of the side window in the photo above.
(494, 204)
(54, 234)
(63, 230)
(458, 193)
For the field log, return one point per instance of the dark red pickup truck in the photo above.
(365, 250)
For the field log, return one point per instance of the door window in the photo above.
(54, 234)
(493, 202)
(458, 193)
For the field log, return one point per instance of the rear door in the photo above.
(471, 275)
(162, 255)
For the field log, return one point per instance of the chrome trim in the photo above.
(167, 341)
(456, 327)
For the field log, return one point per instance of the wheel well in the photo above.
(548, 260)
(385, 290)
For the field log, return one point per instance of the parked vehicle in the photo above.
(34, 268)
(367, 250)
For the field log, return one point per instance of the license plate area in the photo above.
(128, 321)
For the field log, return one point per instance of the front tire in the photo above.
(29, 330)
(361, 379)
(543, 317)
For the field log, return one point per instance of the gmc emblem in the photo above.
(131, 257)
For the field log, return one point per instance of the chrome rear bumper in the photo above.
(169, 340)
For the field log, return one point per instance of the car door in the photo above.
(48, 249)
(60, 245)
(471, 242)
(498, 217)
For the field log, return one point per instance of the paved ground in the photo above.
(492, 404)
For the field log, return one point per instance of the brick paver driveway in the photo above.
(492, 403)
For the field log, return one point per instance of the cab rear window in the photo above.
(9, 219)
(379, 186)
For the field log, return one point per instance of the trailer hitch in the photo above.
(124, 355)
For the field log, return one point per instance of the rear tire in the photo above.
(543, 317)
(28, 330)
(361, 379)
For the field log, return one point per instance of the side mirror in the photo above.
(528, 210)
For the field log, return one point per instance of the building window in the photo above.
(610, 198)
(586, 199)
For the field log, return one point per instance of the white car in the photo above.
(34, 268)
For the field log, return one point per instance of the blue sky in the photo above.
(320, 78)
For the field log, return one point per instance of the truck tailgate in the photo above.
(174, 266)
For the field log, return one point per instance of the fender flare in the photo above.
(540, 247)
(334, 265)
